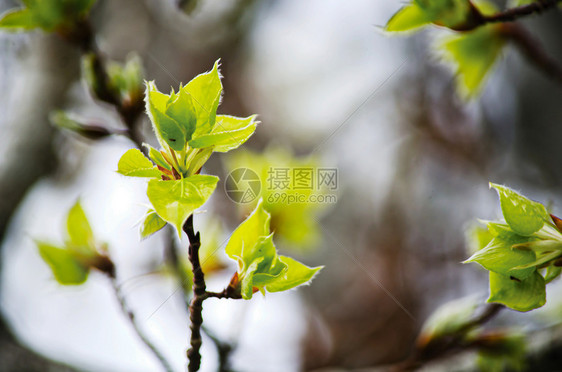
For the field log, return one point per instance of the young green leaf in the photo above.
(134, 164)
(151, 224)
(521, 295)
(18, 20)
(542, 258)
(66, 268)
(552, 272)
(409, 17)
(498, 256)
(78, 228)
(247, 235)
(523, 215)
(472, 55)
(182, 109)
(296, 274)
(205, 90)
(477, 237)
(175, 201)
(228, 133)
(168, 131)
(157, 157)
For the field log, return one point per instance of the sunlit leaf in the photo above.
(151, 224)
(175, 200)
(498, 256)
(228, 133)
(297, 274)
(134, 164)
(518, 294)
(168, 131)
(472, 56)
(552, 272)
(66, 268)
(79, 229)
(523, 215)
(18, 20)
(408, 18)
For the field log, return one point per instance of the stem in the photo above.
(533, 50)
(447, 344)
(199, 295)
(125, 309)
(82, 36)
(513, 14)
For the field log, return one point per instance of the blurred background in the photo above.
(330, 88)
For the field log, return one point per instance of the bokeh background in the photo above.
(413, 161)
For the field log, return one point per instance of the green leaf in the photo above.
(520, 295)
(205, 91)
(151, 224)
(542, 258)
(408, 18)
(228, 133)
(552, 272)
(79, 230)
(472, 56)
(498, 256)
(477, 237)
(134, 164)
(17, 20)
(247, 286)
(168, 131)
(503, 231)
(448, 319)
(175, 201)
(66, 268)
(248, 235)
(157, 157)
(296, 274)
(182, 109)
(448, 13)
(523, 215)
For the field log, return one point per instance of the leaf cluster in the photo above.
(521, 253)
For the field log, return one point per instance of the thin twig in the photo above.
(515, 13)
(448, 344)
(533, 50)
(131, 316)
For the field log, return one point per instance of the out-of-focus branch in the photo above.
(533, 50)
(138, 330)
(448, 344)
(515, 13)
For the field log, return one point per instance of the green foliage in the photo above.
(175, 200)
(518, 294)
(72, 262)
(259, 265)
(134, 164)
(186, 126)
(408, 18)
(151, 224)
(472, 56)
(127, 79)
(294, 223)
(519, 250)
(501, 351)
(66, 267)
(49, 15)
(448, 319)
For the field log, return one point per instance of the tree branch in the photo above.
(447, 344)
(131, 316)
(515, 13)
(199, 295)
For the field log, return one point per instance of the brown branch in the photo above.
(533, 50)
(199, 295)
(132, 319)
(82, 36)
(448, 344)
(515, 13)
